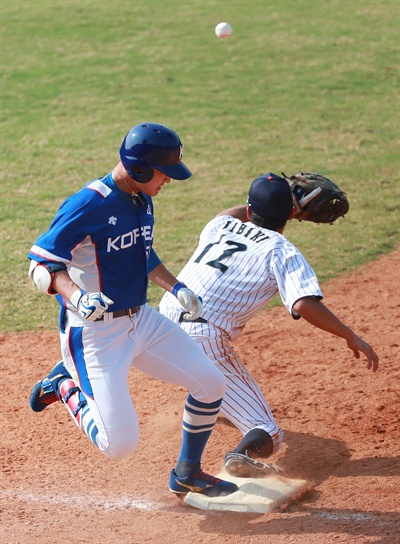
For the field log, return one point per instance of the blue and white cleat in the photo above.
(46, 391)
(200, 482)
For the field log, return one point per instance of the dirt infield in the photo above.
(341, 423)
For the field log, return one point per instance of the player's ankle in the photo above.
(183, 468)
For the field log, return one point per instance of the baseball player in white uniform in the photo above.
(96, 258)
(241, 261)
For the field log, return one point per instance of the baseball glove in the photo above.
(317, 198)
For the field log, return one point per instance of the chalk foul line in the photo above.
(94, 501)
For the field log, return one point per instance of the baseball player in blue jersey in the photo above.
(96, 258)
(241, 261)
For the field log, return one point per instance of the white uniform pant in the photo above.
(101, 353)
(244, 403)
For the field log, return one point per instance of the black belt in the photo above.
(182, 319)
(121, 313)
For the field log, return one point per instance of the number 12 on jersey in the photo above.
(228, 252)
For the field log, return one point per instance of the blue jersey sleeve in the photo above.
(154, 261)
(76, 219)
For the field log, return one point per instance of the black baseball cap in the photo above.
(270, 197)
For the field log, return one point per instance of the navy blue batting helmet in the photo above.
(148, 146)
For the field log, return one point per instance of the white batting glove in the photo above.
(188, 300)
(90, 306)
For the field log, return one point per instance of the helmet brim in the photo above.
(174, 171)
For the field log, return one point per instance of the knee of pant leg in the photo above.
(120, 448)
(214, 388)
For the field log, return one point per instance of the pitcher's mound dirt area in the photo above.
(341, 423)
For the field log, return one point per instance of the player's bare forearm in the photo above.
(316, 313)
(238, 212)
(162, 277)
(64, 285)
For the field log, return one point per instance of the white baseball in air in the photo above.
(223, 30)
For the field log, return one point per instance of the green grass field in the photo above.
(301, 84)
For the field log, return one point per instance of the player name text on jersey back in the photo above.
(241, 228)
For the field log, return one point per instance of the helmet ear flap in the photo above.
(141, 174)
(138, 169)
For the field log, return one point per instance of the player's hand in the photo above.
(356, 345)
(90, 306)
(188, 300)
